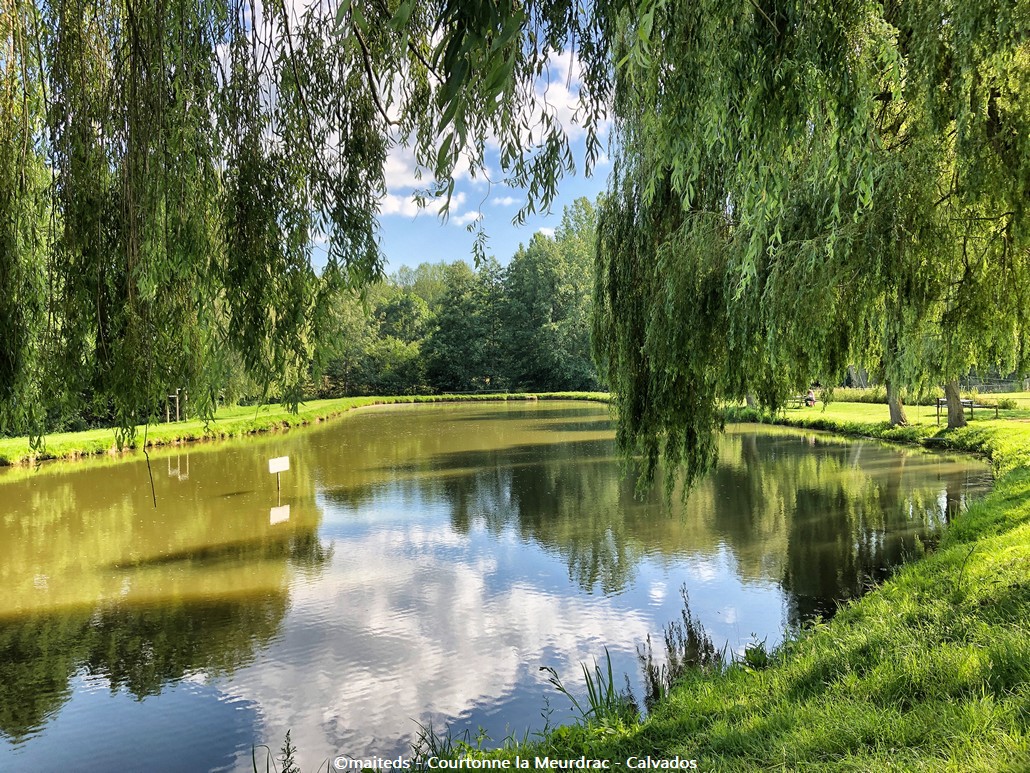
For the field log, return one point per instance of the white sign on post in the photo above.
(276, 466)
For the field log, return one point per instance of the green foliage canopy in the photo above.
(165, 169)
(801, 186)
(797, 186)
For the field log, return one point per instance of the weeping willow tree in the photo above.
(797, 186)
(167, 167)
(165, 175)
(801, 186)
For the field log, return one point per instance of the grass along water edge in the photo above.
(235, 422)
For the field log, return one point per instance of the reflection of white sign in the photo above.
(279, 514)
(279, 464)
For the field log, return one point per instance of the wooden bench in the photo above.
(966, 403)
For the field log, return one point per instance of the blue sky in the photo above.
(410, 237)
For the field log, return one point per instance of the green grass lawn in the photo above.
(1006, 440)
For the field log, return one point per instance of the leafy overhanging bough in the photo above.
(797, 187)
(804, 186)
(167, 167)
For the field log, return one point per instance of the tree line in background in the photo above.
(451, 328)
(437, 328)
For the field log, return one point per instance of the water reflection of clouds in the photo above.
(706, 568)
(375, 646)
(461, 564)
(657, 592)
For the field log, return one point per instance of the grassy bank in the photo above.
(931, 671)
(235, 422)
(1006, 440)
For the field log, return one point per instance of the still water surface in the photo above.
(419, 565)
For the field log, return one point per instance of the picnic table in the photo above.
(797, 401)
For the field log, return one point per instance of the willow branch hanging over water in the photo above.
(798, 186)
(167, 166)
(806, 186)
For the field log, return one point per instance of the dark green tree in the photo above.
(548, 294)
(464, 351)
(405, 316)
(428, 281)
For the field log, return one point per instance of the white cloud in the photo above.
(401, 170)
(404, 179)
(393, 204)
(546, 231)
(555, 93)
(465, 218)
(431, 635)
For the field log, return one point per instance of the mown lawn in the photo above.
(1005, 440)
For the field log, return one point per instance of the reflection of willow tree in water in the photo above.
(505, 467)
(38, 657)
(139, 648)
(859, 523)
(143, 647)
(840, 516)
(99, 582)
(871, 508)
(563, 496)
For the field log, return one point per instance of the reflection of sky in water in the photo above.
(194, 727)
(415, 622)
(467, 552)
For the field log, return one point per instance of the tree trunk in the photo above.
(898, 418)
(752, 403)
(956, 413)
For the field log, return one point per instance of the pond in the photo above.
(419, 565)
